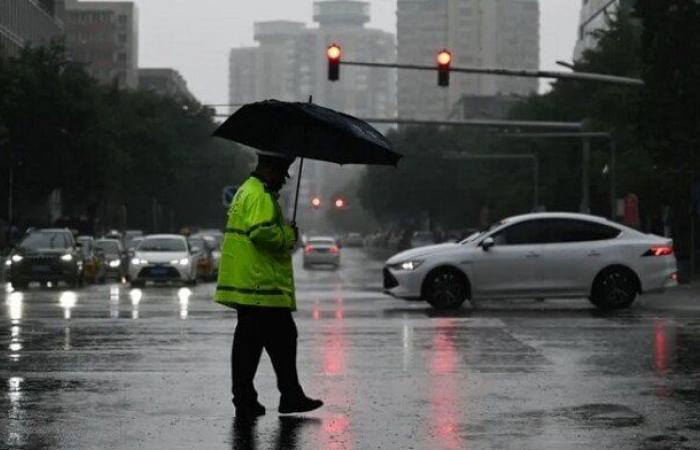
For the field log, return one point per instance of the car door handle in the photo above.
(593, 253)
(532, 255)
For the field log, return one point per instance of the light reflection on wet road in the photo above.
(113, 367)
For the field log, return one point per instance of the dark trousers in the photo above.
(274, 330)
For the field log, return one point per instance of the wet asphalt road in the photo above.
(106, 367)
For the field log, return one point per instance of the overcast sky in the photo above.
(194, 36)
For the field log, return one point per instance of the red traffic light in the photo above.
(316, 202)
(334, 52)
(339, 203)
(444, 59)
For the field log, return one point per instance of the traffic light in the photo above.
(316, 202)
(333, 52)
(339, 203)
(444, 58)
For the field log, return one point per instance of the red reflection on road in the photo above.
(444, 366)
(660, 347)
(334, 347)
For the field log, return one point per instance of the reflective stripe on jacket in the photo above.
(256, 259)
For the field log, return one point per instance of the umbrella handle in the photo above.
(296, 197)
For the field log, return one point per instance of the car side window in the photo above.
(574, 230)
(522, 233)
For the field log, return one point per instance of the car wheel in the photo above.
(446, 289)
(614, 288)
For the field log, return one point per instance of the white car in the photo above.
(321, 250)
(163, 258)
(543, 255)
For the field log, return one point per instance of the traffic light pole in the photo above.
(582, 76)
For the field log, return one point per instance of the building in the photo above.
(29, 22)
(104, 36)
(289, 63)
(594, 16)
(478, 33)
(165, 81)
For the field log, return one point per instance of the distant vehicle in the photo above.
(543, 255)
(321, 250)
(46, 255)
(130, 236)
(114, 257)
(133, 243)
(202, 252)
(352, 240)
(161, 258)
(422, 239)
(215, 239)
(94, 267)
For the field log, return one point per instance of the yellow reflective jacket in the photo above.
(256, 258)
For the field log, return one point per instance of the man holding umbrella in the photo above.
(255, 275)
(256, 278)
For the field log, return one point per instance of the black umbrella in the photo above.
(306, 130)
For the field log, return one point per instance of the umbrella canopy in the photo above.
(307, 130)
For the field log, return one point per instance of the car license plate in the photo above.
(322, 250)
(42, 269)
(158, 271)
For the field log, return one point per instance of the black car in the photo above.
(46, 255)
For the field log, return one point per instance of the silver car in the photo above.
(321, 250)
(162, 258)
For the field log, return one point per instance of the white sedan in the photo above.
(543, 255)
(163, 258)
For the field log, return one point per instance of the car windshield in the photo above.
(44, 240)
(162, 245)
(321, 241)
(109, 247)
(197, 244)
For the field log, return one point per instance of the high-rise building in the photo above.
(165, 81)
(478, 33)
(289, 63)
(104, 36)
(29, 22)
(595, 15)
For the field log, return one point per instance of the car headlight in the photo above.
(8, 262)
(407, 265)
(16, 258)
(115, 263)
(67, 257)
(184, 261)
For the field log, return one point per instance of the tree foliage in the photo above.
(108, 151)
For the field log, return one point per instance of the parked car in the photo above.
(204, 260)
(321, 250)
(162, 258)
(352, 240)
(46, 255)
(115, 258)
(94, 267)
(543, 255)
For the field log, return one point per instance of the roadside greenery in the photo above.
(113, 154)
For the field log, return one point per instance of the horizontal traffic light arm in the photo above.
(581, 76)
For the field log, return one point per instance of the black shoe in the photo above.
(298, 404)
(250, 410)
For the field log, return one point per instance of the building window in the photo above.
(122, 38)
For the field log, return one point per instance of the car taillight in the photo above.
(334, 249)
(308, 249)
(659, 250)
